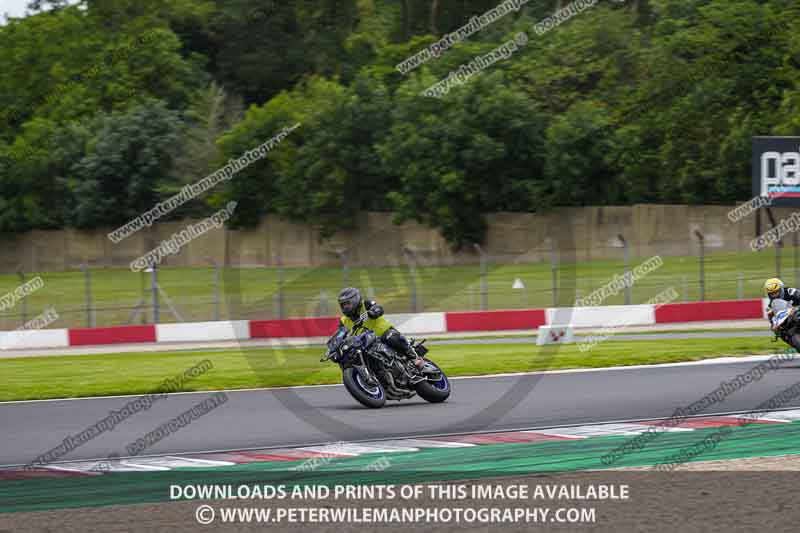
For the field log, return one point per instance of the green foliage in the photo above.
(110, 105)
(448, 153)
(124, 162)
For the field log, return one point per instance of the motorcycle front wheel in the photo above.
(372, 396)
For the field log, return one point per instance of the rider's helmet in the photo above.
(349, 301)
(773, 287)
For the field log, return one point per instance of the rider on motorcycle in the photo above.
(369, 314)
(775, 288)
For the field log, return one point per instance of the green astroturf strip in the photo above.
(438, 464)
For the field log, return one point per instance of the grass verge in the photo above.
(136, 373)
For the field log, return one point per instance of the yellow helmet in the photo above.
(773, 287)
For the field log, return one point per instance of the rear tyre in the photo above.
(795, 341)
(434, 391)
(372, 396)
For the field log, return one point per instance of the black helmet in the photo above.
(349, 301)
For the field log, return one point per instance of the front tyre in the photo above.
(436, 388)
(368, 395)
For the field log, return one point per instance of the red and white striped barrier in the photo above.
(411, 324)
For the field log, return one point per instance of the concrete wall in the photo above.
(590, 232)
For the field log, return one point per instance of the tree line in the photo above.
(109, 106)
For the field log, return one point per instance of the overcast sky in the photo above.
(14, 8)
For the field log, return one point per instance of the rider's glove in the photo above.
(375, 311)
(360, 320)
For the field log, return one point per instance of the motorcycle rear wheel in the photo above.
(795, 341)
(367, 395)
(434, 392)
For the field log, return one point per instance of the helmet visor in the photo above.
(347, 306)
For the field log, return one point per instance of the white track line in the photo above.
(714, 361)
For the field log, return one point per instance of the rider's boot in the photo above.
(418, 361)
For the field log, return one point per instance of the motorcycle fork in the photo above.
(362, 368)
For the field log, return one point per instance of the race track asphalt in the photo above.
(253, 419)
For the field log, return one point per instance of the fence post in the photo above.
(24, 299)
(87, 276)
(343, 255)
(685, 287)
(554, 270)
(412, 278)
(796, 271)
(323, 303)
(215, 289)
(484, 279)
(627, 271)
(281, 303)
(701, 242)
(740, 287)
(154, 291)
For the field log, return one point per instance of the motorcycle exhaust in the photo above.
(391, 387)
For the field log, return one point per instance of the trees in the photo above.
(127, 158)
(479, 149)
(647, 101)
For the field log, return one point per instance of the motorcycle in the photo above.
(784, 322)
(373, 372)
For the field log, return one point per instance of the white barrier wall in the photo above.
(203, 331)
(33, 338)
(417, 324)
(602, 316)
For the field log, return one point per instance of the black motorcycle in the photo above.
(373, 372)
